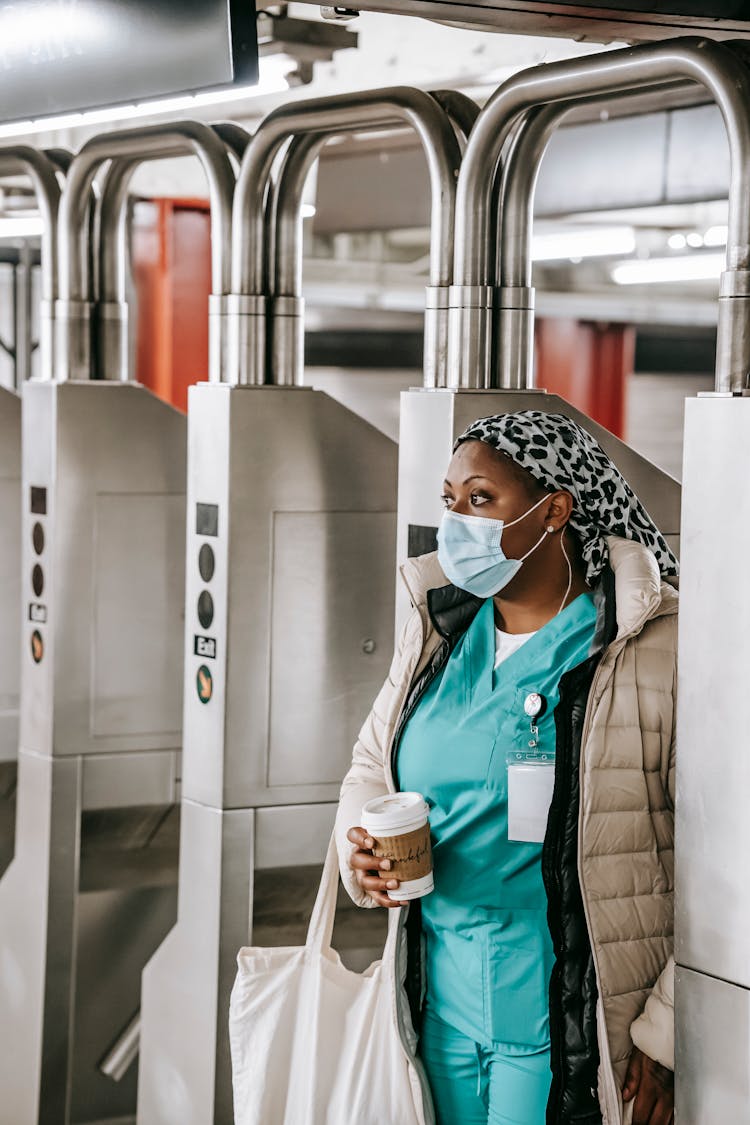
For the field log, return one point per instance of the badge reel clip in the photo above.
(531, 779)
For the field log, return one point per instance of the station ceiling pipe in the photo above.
(708, 63)
(366, 110)
(111, 240)
(24, 160)
(284, 244)
(74, 305)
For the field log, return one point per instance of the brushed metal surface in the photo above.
(10, 570)
(114, 571)
(302, 532)
(712, 903)
(327, 633)
(261, 454)
(712, 1050)
(85, 900)
(432, 420)
(184, 1074)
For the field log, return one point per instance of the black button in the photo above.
(206, 562)
(37, 537)
(37, 580)
(205, 609)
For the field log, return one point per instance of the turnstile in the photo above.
(289, 614)
(92, 887)
(10, 611)
(24, 160)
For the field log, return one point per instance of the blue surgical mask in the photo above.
(471, 554)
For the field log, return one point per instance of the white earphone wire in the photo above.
(570, 571)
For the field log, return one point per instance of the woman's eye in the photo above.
(446, 500)
(477, 499)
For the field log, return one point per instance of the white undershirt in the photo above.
(508, 643)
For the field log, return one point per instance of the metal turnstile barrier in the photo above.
(92, 888)
(289, 613)
(15, 160)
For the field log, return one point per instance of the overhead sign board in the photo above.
(58, 56)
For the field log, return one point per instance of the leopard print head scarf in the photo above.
(560, 454)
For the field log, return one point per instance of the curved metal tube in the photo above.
(462, 111)
(323, 117)
(234, 137)
(287, 343)
(712, 65)
(513, 204)
(24, 160)
(130, 148)
(369, 109)
(110, 290)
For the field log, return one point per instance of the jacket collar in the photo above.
(639, 591)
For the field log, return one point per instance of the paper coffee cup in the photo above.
(400, 826)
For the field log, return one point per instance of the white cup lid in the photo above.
(394, 811)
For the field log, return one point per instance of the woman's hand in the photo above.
(652, 1086)
(368, 870)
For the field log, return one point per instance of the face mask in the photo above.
(471, 554)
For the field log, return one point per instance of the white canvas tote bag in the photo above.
(313, 1043)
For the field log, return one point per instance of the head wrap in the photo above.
(560, 454)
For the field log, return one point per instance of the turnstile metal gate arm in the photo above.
(360, 111)
(110, 290)
(284, 248)
(73, 321)
(712, 65)
(462, 111)
(512, 356)
(24, 160)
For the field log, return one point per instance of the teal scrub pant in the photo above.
(472, 1085)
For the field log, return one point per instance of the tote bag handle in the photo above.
(320, 930)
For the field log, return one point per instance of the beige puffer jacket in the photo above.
(626, 824)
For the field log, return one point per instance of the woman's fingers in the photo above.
(371, 873)
(359, 837)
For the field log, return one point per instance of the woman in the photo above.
(538, 973)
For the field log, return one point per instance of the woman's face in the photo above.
(481, 482)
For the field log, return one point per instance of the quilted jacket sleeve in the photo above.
(653, 1031)
(366, 777)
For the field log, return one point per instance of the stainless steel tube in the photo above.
(360, 111)
(512, 362)
(110, 291)
(133, 146)
(711, 64)
(287, 333)
(287, 330)
(24, 160)
(462, 111)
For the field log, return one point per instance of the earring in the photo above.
(550, 528)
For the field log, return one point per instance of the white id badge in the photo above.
(529, 798)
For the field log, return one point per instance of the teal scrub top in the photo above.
(488, 949)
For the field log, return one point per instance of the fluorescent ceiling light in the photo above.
(691, 267)
(716, 236)
(21, 226)
(272, 80)
(585, 242)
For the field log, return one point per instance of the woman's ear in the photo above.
(559, 510)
